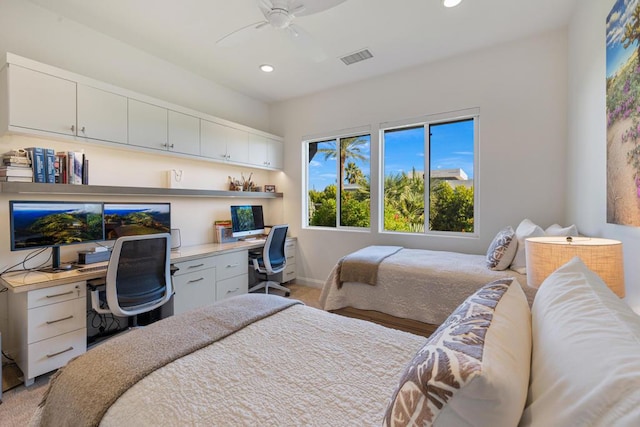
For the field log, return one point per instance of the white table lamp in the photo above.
(602, 256)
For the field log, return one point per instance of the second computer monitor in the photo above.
(126, 219)
(247, 221)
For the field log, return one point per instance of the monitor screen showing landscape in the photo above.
(36, 224)
(127, 219)
(247, 220)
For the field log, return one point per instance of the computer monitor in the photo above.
(247, 221)
(41, 224)
(128, 219)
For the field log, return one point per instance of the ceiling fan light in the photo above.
(451, 3)
(267, 68)
(279, 18)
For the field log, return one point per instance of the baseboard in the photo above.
(306, 281)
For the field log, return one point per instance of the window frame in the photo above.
(426, 121)
(337, 137)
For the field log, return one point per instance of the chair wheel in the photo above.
(287, 294)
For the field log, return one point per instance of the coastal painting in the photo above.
(623, 113)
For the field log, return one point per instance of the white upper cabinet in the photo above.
(41, 102)
(102, 115)
(223, 142)
(265, 152)
(148, 125)
(184, 133)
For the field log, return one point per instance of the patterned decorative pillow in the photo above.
(474, 367)
(502, 249)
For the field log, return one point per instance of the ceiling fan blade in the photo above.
(265, 6)
(309, 7)
(305, 44)
(241, 35)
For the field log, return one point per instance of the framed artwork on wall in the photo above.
(623, 113)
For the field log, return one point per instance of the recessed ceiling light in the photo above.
(267, 68)
(451, 3)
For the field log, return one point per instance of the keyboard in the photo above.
(92, 269)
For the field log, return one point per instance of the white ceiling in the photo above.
(400, 34)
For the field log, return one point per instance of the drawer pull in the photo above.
(230, 291)
(60, 352)
(196, 280)
(289, 273)
(290, 257)
(196, 266)
(60, 295)
(49, 322)
(232, 265)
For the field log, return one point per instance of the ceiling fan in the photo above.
(279, 15)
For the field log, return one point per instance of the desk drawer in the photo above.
(194, 290)
(186, 267)
(55, 294)
(233, 286)
(55, 319)
(50, 354)
(232, 264)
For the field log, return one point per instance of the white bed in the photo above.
(416, 284)
(299, 366)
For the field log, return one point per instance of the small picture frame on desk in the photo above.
(269, 188)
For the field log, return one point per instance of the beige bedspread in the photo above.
(417, 284)
(300, 366)
(81, 392)
(362, 265)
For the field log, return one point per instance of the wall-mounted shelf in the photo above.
(38, 188)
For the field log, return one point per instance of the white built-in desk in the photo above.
(48, 311)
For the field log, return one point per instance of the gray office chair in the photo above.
(138, 277)
(272, 260)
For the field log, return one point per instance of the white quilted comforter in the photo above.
(301, 366)
(418, 284)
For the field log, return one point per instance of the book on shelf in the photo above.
(61, 168)
(24, 162)
(16, 179)
(49, 165)
(16, 171)
(37, 163)
(74, 167)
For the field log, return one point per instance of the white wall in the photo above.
(35, 33)
(521, 90)
(586, 152)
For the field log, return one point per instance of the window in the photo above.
(442, 149)
(338, 182)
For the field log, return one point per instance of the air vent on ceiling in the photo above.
(361, 55)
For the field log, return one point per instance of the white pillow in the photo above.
(557, 230)
(525, 230)
(502, 249)
(585, 366)
(474, 369)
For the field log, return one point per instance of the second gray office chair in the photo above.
(272, 260)
(138, 276)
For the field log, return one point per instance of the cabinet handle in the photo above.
(290, 273)
(60, 352)
(290, 257)
(196, 280)
(50, 322)
(231, 265)
(230, 291)
(82, 129)
(59, 295)
(73, 128)
(171, 146)
(196, 266)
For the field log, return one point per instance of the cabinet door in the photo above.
(237, 145)
(184, 133)
(147, 125)
(275, 157)
(213, 140)
(41, 102)
(258, 150)
(233, 286)
(102, 115)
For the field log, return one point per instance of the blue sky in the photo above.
(451, 147)
(617, 18)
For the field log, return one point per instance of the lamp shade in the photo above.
(602, 256)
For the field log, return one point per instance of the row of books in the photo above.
(36, 164)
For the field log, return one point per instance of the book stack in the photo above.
(16, 167)
(223, 232)
(71, 167)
